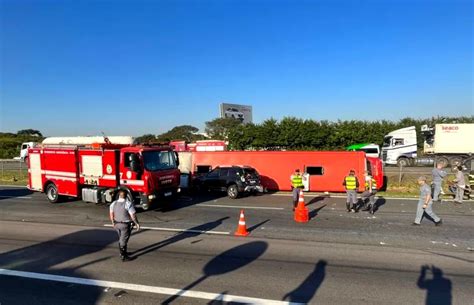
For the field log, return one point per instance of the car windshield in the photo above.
(159, 160)
(386, 141)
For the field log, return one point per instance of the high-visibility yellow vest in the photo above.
(297, 181)
(351, 182)
(374, 184)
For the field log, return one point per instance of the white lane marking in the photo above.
(181, 230)
(142, 288)
(16, 197)
(238, 207)
(343, 196)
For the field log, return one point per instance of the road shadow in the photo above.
(226, 262)
(184, 200)
(47, 257)
(315, 212)
(252, 228)
(379, 202)
(10, 193)
(308, 288)
(438, 288)
(268, 183)
(316, 199)
(190, 233)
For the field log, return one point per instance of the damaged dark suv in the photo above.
(235, 180)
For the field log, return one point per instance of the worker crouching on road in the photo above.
(296, 185)
(123, 217)
(425, 204)
(351, 183)
(369, 193)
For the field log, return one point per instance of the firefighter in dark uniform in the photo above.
(123, 218)
(351, 184)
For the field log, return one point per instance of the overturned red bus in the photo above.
(325, 169)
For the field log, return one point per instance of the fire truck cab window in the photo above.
(315, 170)
(159, 160)
(127, 159)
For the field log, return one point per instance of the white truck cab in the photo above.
(399, 146)
(24, 149)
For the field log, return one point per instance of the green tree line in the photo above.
(289, 133)
(292, 133)
(10, 143)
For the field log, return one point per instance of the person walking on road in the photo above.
(123, 217)
(351, 183)
(369, 193)
(460, 185)
(296, 185)
(425, 204)
(438, 176)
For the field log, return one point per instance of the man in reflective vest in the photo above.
(351, 184)
(297, 185)
(369, 193)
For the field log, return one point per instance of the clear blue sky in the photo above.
(132, 67)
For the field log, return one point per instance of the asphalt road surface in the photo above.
(186, 254)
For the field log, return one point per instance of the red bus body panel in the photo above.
(276, 167)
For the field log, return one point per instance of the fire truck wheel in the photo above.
(232, 191)
(52, 193)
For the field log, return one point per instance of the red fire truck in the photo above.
(96, 171)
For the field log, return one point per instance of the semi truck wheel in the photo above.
(443, 161)
(403, 162)
(232, 191)
(52, 193)
(455, 161)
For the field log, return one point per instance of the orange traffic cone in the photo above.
(242, 228)
(301, 212)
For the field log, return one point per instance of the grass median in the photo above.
(14, 177)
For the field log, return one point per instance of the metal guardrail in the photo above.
(13, 169)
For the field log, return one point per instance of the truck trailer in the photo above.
(448, 144)
(96, 171)
(325, 170)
